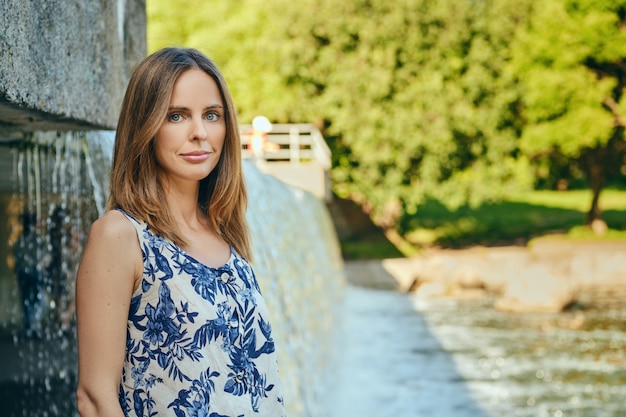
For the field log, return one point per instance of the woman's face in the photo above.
(189, 143)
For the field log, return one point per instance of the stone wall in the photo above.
(64, 64)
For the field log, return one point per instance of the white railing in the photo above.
(294, 153)
(295, 143)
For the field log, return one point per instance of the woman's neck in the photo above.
(182, 203)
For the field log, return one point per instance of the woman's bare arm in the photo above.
(110, 266)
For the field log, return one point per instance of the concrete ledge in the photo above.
(309, 176)
(64, 64)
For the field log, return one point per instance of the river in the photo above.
(403, 356)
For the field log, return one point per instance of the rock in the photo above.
(536, 289)
(469, 279)
(544, 277)
(599, 227)
(435, 289)
(404, 270)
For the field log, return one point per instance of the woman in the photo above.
(170, 318)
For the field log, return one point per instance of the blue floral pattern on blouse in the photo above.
(199, 342)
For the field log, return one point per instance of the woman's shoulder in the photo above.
(113, 225)
(113, 249)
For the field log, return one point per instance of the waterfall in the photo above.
(60, 184)
(299, 267)
(47, 203)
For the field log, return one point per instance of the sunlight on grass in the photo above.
(575, 200)
(423, 237)
(459, 227)
(405, 247)
(517, 220)
(585, 233)
(528, 217)
(581, 234)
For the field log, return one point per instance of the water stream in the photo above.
(404, 356)
(571, 364)
(46, 200)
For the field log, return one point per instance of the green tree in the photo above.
(571, 63)
(410, 93)
(413, 94)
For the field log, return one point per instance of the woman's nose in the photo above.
(199, 131)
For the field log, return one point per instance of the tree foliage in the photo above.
(571, 62)
(449, 99)
(413, 96)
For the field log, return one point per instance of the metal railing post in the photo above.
(294, 145)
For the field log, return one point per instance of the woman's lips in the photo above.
(199, 156)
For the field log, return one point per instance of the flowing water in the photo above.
(571, 364)
(47, 204)
(404, 356)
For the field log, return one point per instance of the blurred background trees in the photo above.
(461, 102)
(570, 59)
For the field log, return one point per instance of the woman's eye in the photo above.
(212, 116)
(174, 117)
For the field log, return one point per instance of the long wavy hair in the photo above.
(135, 186)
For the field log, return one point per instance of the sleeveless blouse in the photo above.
(199, 341)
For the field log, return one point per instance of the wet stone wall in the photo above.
(47, 204)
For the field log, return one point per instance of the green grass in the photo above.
(518, 221)
(369, 248)
(515, 221)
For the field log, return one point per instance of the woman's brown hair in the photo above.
(135, 185)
